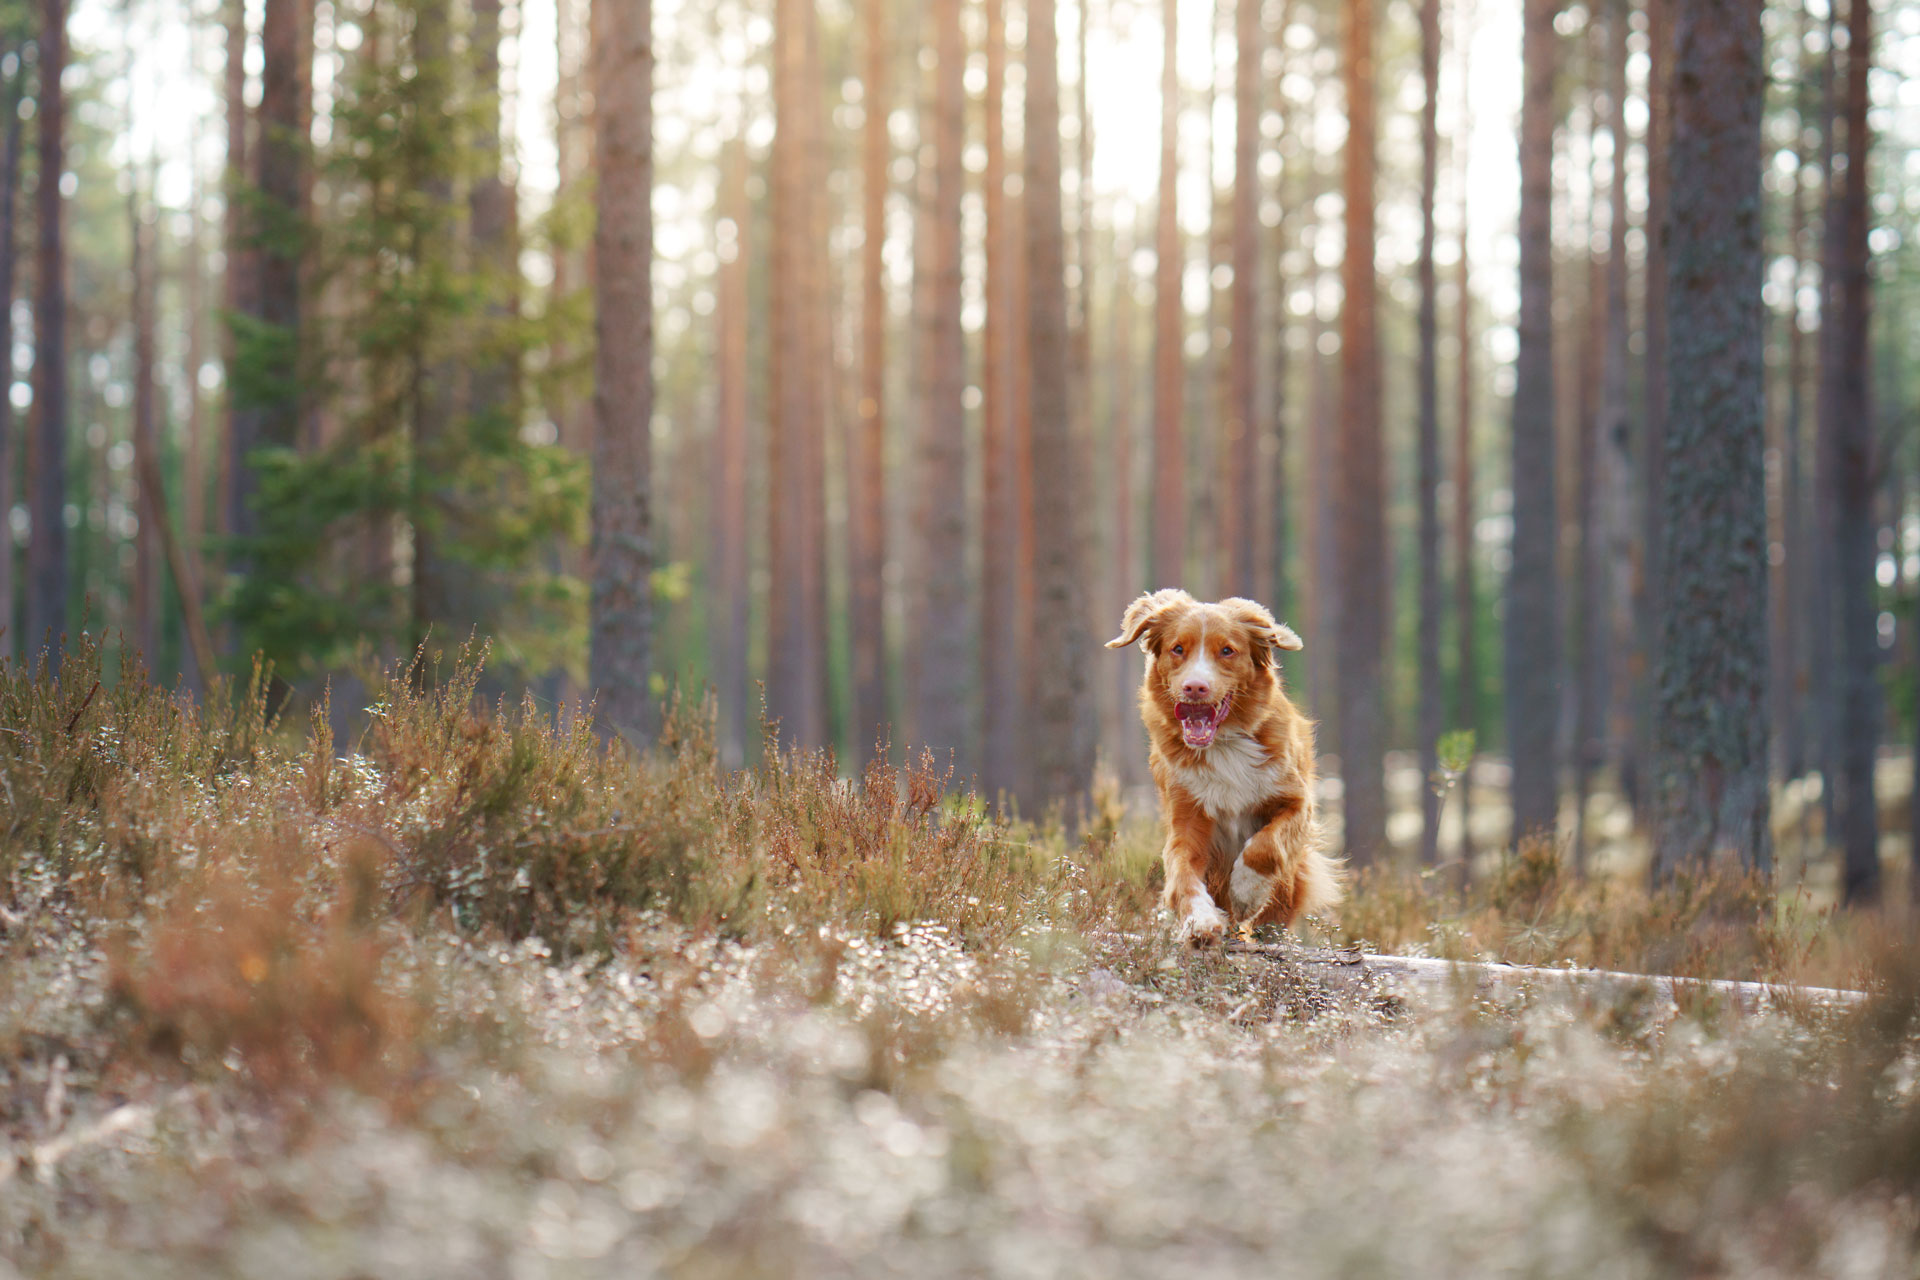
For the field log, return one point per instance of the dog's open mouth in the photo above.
(1199, 721)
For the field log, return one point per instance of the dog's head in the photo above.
(1204, 656)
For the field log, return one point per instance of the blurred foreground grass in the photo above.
(471, 995)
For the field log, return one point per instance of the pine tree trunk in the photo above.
(1062, 730)
(620, 610)
(285, 105)
(1169, 359)
(1362, 521)
(1242, 417)
(1003, 699)
(1466, 611)
(1615, 483)
(193, 495)
(237, 278)
(493, 228)
(1793, 684)
(796, 661)
(146, 603)
(728, 621)
(46, 451)
(1427, 486)
(867, 512)
(1646, 649)
(1859, 654)
(1711, 725)
(1533, 612)
(939, 655)
(9, 247)
(1128, 748)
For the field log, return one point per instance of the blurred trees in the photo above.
(892, 452)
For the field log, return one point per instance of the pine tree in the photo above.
(620, 617)
(47, 448)
(867, 494)
(1427, 486)
(1169, 357)
(1711, 724)
(1533, 612)
(1362, 522)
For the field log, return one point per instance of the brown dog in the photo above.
(1233, 760)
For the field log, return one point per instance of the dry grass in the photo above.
(475, 995)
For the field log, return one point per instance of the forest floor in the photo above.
(470, 996)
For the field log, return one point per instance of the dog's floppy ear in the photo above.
(1267, 633)
(1146, 615)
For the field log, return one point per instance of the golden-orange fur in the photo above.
(1243, 841)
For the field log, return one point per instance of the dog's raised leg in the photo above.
(1201, 922)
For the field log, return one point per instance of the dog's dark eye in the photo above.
(1179, 651)
(1226, 651)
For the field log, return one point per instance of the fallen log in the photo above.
(1355, 970)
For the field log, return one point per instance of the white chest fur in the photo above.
(1235, 776)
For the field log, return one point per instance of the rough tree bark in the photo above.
(1362, 521)
(1062, 730)
(1853, 477)
(146, 597)
(46, 449)
(1533, 612)
(236, 278)
(1169, 565)
(1646, 649)
(1711, 720)
(620, 617)
(939, 657)
(867, 522)
(1427, 484)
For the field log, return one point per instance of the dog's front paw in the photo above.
(1205, 924)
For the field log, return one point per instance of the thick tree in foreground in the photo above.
(1533, 611)
(1362, 522)
(1001, 642)
(1710, 729)
(1061, 735)
(47, 448)
(1852, 496)
(620, 611)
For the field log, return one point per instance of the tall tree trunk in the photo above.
(1242, 418)
(1272, 530)
(867, 510)
(1615, 483)
(1129, 747)
(1853, 453)
(939, 656)
(493, 228)
(1001, 638)
(237, 276)
(286, 95)
(193, 490)
(1711, 726)
(1169, 359)
(1466, 611)
(1646, 647)
(9, 204)
(1062, 730)
(1792, 684)
(146, 442)
(47, 449)
(1362, 531)
(728, 621)
(1533, 611)
(796, 649)
(621, 607)
(1427, 486)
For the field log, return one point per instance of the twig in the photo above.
(84, 704)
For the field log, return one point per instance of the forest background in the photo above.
(875, 354)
